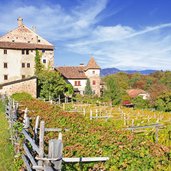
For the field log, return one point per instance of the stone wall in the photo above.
(28, 85)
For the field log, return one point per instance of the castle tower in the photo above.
(92, 71)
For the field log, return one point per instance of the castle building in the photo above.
(78, 75)
(17, 53)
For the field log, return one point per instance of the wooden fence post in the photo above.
(41, 142)
(84, 112)
(63, 106)
(36, 129)
(55, 151)
(59, 99)
(91, 115)
(96, 113)
(156, 134)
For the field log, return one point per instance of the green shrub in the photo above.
(22, 96)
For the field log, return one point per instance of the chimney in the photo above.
(20, 21)
(34, 28)
(81, 64)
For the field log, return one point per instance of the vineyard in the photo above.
(90, 130)
(129, 118)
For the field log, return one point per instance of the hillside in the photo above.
(89, 138)
(108, 71)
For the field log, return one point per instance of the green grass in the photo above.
(6, 149)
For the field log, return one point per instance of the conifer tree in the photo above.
(88, 89)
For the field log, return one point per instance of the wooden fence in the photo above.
(33, 153)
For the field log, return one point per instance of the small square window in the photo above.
(5, 77)
(27, 52)
(38, 40)
(23, 65)
(5, 65)
(23, 76)
(44, 61)
(93, 72)
(23, 51)
(5, 51)
(28, 65)
(79, 83)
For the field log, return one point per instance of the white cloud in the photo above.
(78, 30)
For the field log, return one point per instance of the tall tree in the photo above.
(88, 89)
(112, 90)
(52, 85)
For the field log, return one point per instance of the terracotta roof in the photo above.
(72, 72)
(135, 92)
(92, 64)
(14, 45)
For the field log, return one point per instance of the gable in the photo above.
(23, 34)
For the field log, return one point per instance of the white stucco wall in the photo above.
(81, 88)
(14, 60)
(89, 72)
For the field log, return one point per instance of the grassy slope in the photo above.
(6, 149)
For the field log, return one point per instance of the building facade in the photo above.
(78, 75)
(17, 53)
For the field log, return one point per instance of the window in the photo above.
(43, 50)
(28, 65)
(27, 52)
(5, 77)
(94, 82)
(44, 61)
(5, 51)
(77, 83)
(23, 65)
(13, 40)
(23, 51)
(93, 72)
(23, 76)
(5, 65)
(38, 40)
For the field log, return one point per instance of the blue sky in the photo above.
(126, 34)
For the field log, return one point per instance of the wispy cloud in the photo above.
(79, 31)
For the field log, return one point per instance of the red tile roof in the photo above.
(92, 64)
(135, 92)
(14, 45)
(72, 72)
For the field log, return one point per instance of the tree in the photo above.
(88, 89)
(141, 103)
(112, 90)
(39, 67)
(163, 102)
(51, 85)
(69, 90)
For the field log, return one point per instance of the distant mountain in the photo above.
(108, 71)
